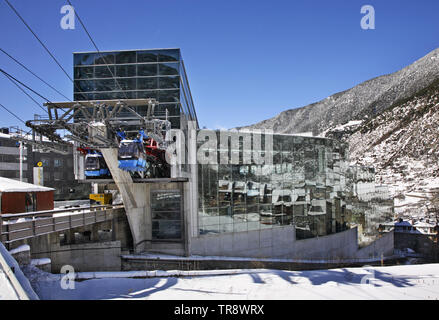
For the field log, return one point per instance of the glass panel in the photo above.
(126, 57)
(104, 58)
(168, 96)
(83, 72)
(166, 214)
(169, 82)
(126, 84)
(173, 109)
(84, 58)
(147, 94)
(115, 95)
(83, 96)
(104, 71)
(146, 56)
(105, 85)
(168, 68)
(85, 85)
(147, 83)
(175, 122)
(147, 70)
(126, 71)
(169, 55)
(163, 229)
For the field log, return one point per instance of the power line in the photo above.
(12, 113)
(27, 94)
(97, 49)
(39, 40)
(27, 87)
(22, 65)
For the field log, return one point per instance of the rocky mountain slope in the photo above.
(363, 101)
(402, 144)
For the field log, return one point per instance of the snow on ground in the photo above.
(395, 282)
(7, 292)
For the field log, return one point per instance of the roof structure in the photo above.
(10, 185)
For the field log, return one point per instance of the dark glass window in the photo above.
(166, 215)
(104, 71)
(115, 95)
(147, 70)
(168, 95)
(168, 69)
(83, 72)
(146, 56)
(169, 82)
(169, 55)
(173, 109)
(85, 85)
(83, 96)
(104, 58)
(84, 59)
(147, 83)
(126, 71)
(147, 94)
(126, 84)
(126, 57)
(104, 96)
(57, 162)
(105, 85)
(175, 122)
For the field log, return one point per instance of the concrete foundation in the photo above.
(280, 242)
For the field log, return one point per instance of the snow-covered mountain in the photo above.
(365, 100)
(390, 123)
(402, 144)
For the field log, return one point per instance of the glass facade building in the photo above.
(304, 186)
(137, 74)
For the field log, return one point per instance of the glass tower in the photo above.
(137, 74)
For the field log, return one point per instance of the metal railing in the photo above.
(45, 222)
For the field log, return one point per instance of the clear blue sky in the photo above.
(246, 60)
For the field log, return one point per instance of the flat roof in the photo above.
(124, 50)
(11, 185)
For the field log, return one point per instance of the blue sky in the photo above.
(246, 60)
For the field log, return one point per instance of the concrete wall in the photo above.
(96, 256)
(280, 242)
(384, 246)
(257, 243)
(424, 244)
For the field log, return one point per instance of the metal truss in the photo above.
(94, 123)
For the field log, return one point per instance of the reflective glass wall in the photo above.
(305, 185)
(370, 204)
(158, 74)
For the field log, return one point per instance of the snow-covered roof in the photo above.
(423, 225)
(10, 185)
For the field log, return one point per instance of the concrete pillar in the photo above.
(134, 198)
(94, 237)
(70, 236)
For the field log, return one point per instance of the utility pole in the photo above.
(21, 160)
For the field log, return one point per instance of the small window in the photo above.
(166, 215)
(57, 163)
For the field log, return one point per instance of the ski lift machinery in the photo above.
(98, 124)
